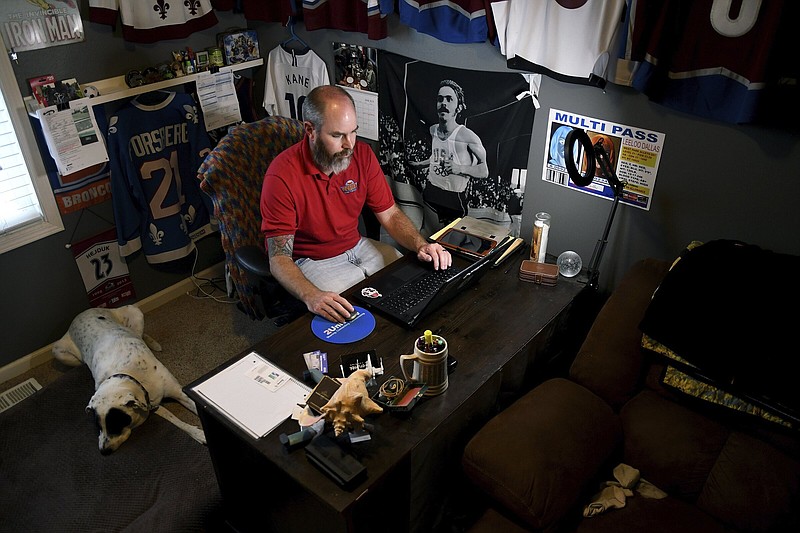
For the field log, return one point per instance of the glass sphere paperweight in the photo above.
(569, 264)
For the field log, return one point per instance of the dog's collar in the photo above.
(128, 376)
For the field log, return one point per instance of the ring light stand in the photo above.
(593, 155)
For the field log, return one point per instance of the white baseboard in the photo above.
(45, 354)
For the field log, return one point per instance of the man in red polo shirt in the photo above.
(312, 197)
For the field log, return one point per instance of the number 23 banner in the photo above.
(104, 273)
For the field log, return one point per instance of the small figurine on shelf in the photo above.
(189, 63)
(188, 68)
(177, 64)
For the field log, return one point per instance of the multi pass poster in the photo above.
(454, 142)
(634, 154)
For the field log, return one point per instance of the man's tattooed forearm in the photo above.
(281, 245)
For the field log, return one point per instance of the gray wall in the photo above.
(715, 180)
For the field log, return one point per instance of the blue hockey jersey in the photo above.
(155, 151)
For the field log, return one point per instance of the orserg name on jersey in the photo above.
(153, 142)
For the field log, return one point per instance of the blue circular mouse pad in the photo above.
(347, 332)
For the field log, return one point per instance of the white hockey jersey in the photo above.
(154, 152)
(568, 41)
(290, 77)
(149, 22)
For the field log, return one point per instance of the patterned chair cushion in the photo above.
(232, 175)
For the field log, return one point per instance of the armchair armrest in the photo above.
(537, 457)
(254, 260)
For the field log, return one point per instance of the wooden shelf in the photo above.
(112, 89)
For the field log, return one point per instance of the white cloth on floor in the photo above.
(614, 494)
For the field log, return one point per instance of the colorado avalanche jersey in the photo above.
(715, 58)
(569, 41)
(364, 16)
(155, 151)
(149, 22)
(452, 21)
(290, 77)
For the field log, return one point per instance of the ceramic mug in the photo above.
(429, 367)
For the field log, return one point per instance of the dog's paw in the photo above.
(199, 435)
(151, 342)
(65, 351)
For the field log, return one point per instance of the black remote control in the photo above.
(340, 466)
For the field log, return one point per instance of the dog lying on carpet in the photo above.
(129, 381)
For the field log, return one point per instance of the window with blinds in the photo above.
(18, 202)
(28, 209)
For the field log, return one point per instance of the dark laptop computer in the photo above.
(408, 289)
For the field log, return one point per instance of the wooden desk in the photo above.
(496, 330)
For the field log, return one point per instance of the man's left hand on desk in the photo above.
(436, 254)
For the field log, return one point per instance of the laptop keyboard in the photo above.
(407, 296)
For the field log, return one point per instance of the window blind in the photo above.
(18, 202)
(28, 210)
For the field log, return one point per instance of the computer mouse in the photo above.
(352, 316)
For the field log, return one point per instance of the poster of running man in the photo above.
(634, 154)
(455, 142)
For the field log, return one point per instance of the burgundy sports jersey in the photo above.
(712, 58)
(364, 16)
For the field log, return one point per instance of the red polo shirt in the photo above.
(321, 211)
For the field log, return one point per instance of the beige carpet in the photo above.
(196, 335)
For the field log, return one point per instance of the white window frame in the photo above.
(51, 222)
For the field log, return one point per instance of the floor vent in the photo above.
(16, 394)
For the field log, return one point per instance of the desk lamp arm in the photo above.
(594, 155)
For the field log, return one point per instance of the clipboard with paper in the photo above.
(254, 393)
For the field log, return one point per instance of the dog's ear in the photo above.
(92, 413)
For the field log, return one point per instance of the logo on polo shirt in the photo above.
(349, 186)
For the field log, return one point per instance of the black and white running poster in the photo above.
(455, 142)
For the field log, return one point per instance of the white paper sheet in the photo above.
(72, 136)
(218, 100)
(254, 393)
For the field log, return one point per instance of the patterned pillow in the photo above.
(703, 390)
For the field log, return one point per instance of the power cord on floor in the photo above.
(207, 288)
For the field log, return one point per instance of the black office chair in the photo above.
(232, 175)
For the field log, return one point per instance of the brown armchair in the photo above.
(538, 463)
